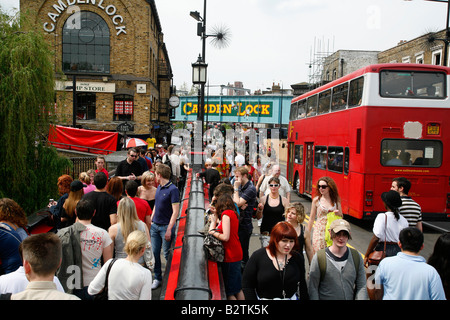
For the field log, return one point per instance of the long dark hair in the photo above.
(334, 194)
(440, 260)
(225, 202)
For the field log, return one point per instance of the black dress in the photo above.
(271, 215)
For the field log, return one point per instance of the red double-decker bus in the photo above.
(364, 129)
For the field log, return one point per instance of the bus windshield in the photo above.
(412, 84)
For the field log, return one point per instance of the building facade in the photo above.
(343, 62)
(427, 49)
(114, 51)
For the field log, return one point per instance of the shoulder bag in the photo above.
(103, 295)
(375, 257)
(214, 249)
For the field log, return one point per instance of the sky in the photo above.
(274, 41)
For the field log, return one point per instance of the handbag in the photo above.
(214, 249)
(103, 295)
(375, 257)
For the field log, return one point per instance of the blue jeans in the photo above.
(157, 232)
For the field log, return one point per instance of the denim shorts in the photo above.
(232, 277)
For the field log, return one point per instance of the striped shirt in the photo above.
(411, 210)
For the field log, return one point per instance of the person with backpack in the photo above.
(337, 272)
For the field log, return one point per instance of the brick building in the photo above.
(418, 50)
(116, 52)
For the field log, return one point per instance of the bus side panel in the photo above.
(355, 194)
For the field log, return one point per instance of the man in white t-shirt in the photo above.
(95, 244)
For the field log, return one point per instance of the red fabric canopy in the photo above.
(101, 142)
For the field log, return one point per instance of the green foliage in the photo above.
(29, 168)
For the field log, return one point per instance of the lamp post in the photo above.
(199, 75)
(199, 67)
(220, 40)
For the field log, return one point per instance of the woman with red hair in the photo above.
(64, 182)
(278, 270)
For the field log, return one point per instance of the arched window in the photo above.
(86, 44)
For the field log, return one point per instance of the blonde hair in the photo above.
(85, 178)
(136, 241)
(147, 175)
(127, 217)
(299, 211)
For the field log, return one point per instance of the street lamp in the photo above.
(199, 74)
(199, 71)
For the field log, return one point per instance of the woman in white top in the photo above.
(387, 226)
(127, 280)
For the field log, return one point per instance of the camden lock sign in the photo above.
(71, 6)
(251, 109)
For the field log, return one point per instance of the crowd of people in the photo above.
(113, 228)
(336, 271)
(126, 217)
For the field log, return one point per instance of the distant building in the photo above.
(425, 49)
(343, 62)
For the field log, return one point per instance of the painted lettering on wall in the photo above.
(262, 109)
(71, 6)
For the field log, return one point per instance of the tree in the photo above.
(29, 167)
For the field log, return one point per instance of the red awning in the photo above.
(101, 142)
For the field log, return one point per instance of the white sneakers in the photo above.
(156, 284)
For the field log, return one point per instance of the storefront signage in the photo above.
(87, 86)
(71, 5)
(250, 109)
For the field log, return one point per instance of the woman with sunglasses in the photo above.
(272, 206)
(326, 201)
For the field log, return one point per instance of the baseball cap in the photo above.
(77, 185)
(339, 225)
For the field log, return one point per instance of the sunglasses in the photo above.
(321, 186)
(133, 155)
(274, 185)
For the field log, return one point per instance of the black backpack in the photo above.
(166, 161)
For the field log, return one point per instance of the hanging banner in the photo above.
(92, 141)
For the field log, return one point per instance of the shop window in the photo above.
(123, 108)
(86, 106)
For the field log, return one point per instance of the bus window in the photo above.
(324, 101)
(299, 154)
(339, 100)
(414, 153)
(301, 109)
(356, 91)
(336, 159)
(293, 114)
(346, 160)
(312, 106)
(320, 157)
(411, 84)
